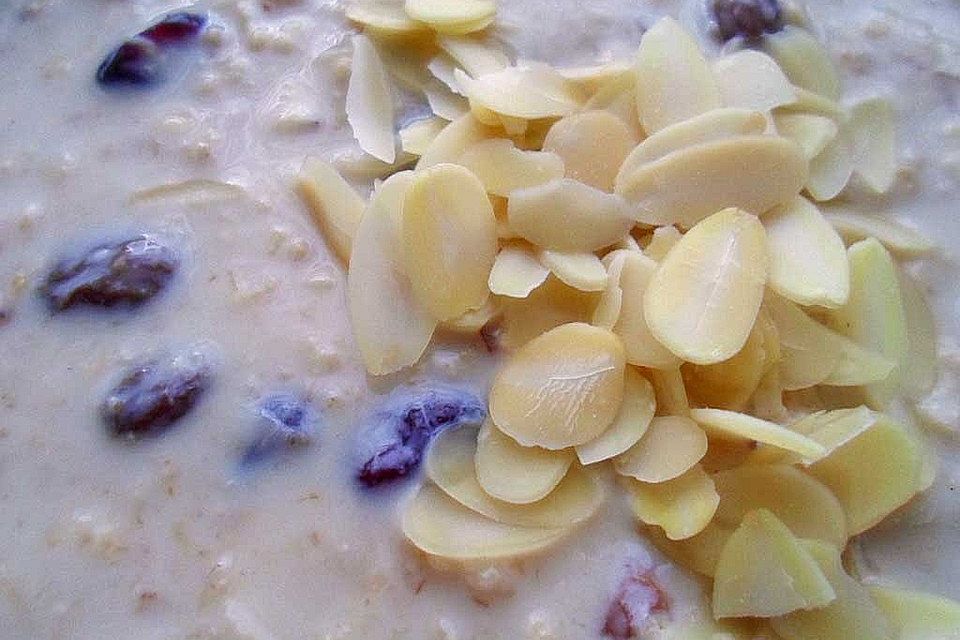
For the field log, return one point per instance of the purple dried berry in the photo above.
(747, 18)
(286, 423)
(136, 62)
(175, 28)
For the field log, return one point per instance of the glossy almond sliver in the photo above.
(643, 349)
(453, 140)
(753, 173)
(582, 271)
(702, 301)
(636, 412)
(674, 81)
(814, 103)
(436, 524)
(517, 271)
(474, 55)
(568, 216)
(416, 137)
(463, 16)
(668, 449)
(661, 242)
(516, 474)
(502, 168)
(390, 325)
(592, 144)
(831, 169)
(443, 102)
(561, 389)
(671, 393)
(900, 240)
(808, 260)
(740, 426)
(752, 80)
(336, 206)
(617, 96)
(369, 103)
(384, 17)
(804, 60)
(607, 312)
(873, 139)
(832, 429)
(531, 91)
(811, 132)
(682, 507)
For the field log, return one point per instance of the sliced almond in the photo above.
(698, 553)
(750, 79)
(530, 91)
(814, 103)
(582, 271)
(636, 412)
(916, 615)
(475, 56)
(453, 140)
(611, 299)
(919, 367)
(416, 137)
(369, 101)
(831, 169)
(596, 75)
(442, 67)
(873, 140)
(661, 242)
(617, 96)
(502, 168)
(517, 271)
(443, 102)
(514, 473)
(730, 424)
(682, 507)
(336, 207)
(811, 132)
(592, 144)
(832, 429)
(669, 448)
(642, 347)
(897, 238)
(473, 321)
(805, 61)
(385, 18)
(670, 391)
(550, 305)
(455, 18)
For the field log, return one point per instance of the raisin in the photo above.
(152, 397)
(637, 597)
(175, 28)
(403, 427)
(286, 423)
(747, 18)
(124, 273)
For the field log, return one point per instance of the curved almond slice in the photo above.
(453, 140)
(475, 320)
(754, 173)
(450, 465)
(872, 133)
(804, 60)
(718, 124)
(919, 367)
(810, 102)
(671, 393)
(593, 77)
(582, 271)
(502, 168)
(442, 67)
(449, 240)
(807, 353)
(807, 259)
(550, 305)
(702, 302)
(832, 429)
(873, 474)
(674, 82)
(764, 571)
(752, 80)
(636, 412)
(517, 271)
(831, 169)
(669, 448)
(391, 327)
(384, 18)
(416, 137)
(443, 102)
(592, 144)
(916, 615)
(698, 553)
(897, 238)
(856, 366)
(336, 206)
(476, 56)
(566, 215)
(852, 616)
(530, 91)
(810, 132)
(617, 96)
(805, 505)
(370, 102)
(456, 18)
(740, 426)
(661, 242)
(561, 389)
(682, 507)
(436, 524)
(611, 299)
(642, 348)
(517, 474)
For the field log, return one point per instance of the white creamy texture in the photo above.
(163, 540)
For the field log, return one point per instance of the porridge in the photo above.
(472, 320)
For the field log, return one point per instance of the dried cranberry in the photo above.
(747, 18)
(636, 598)
(175, 28)
(136, 62)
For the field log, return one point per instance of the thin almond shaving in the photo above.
(455, 18)
(550, 305)
(369, 101)
(453, 140)
(531, 91)
(682, 507)
(592, 144)
(873, 135)
(919, 367)
(642, 347)
(804, 60)
(502, 168)
(811, 132)
(661, 242)
(897, 238)
(830, 171)
(336, 206)
(671, 393)
(669, 448)
(611, 299)
(514, 473)
(517, 271)
(385, 18)
(617, 96)
(752, 80)
(444, 102)
(740, 426)
(582, 271)
(416, 137)
(636, 413)
(476, 57)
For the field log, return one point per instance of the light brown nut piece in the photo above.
(674, 81)
(516, 474)
(682, 507)
(592, 144)
(752, 80)
(720, 423)
(517, 271)
(636, 412)
(703, 300)
(502, 168)
(805, 61)
(669, 448)
(753, 173)
(335, 205)
(369, 101)
(900, 240)
(455, 18)
(561, 389)
(449, 240)
(530, 91)
(642, 347)
(811, 132)
(582, 271)
(453, 140)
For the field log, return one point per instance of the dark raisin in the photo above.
(637, 597)
(123, 273)
(175, 28)
(136, 62)
(395, 443)
(747, 18)
(152, 397)
(286, 422)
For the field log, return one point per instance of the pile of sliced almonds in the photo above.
(673, 291)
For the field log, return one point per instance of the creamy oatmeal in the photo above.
(192, 440)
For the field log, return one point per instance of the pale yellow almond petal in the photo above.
(857, 365)
(899, 239)
(592, 145)
(832, 429)
(753, 173)
(611, 299)
(916, 615)
(453, 140)
(517, 271)
(811, 132)
(384, 17)
(436, 524)
(416, 137)
(671, 393)
(550, 305)
(597, 75)
(369, 101)
(805, 61)
(674, 81)
(808, 355)
(642, 347)
(582, 271)
(682, 507)
(817, 104)
(750, 79)
(721, 423)
(441, 66)
(662, 241)
(698, 553)
(443, 102)
(391, 327)
(456, 18)
(568, 216)
(669, 448)
(336, 207)
(502, 168)
(617, 96)
(874, 146)
(831, 169)
(475, 56)
(807, 258)
(531, 91)
(516, 474)
(636, 412)
(702, 301)
(919, 366)
(561, 389)
(475, 320)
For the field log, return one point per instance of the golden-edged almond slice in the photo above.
(670, 391)
(872, 133)
(900, 240)
(516, 474)
(698, 553)
(391, 327)
(702, 301)
(474, 55)
(416, 137)
(662, 240)
(916, 615)
(456, 18)
(502, 168)
(561, 389)
(569, 216)
(517, 271)
(642, 348)
(805, 61)
(750, 79)
(682, 507)
(530, 91)
(453, 140)
(810, 131)
(369, 101)
(550, 305)
(636, 412)
(385, 18)
(668, 449)
(592, 144)
(721, 423)
(830, 170)
(919, 367)
(764, 570)
(438, 525)
(336, 206)
(808, 260)
(582, 271)
(451, 466)
(674, 81)
(449, 240)
(753, 173)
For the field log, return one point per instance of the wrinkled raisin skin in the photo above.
(125, 273)
(394, 445)
(152, 397)
(286, 423)
(747, 18)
